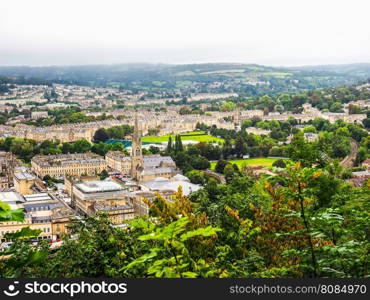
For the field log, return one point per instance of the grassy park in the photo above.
(253, 162)
(198, 136)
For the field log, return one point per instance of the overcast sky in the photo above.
(270, 32)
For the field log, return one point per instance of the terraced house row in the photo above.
(68, 164)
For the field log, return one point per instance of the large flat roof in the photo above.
(10, 197)
(37, 197)
(162, 184)
(96, 186)
(24, 176)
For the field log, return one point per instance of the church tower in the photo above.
(237, 118)
(137, 162)
(237, 115)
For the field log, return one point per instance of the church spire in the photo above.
(137, 162)
(136, 141)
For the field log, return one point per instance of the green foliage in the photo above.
(24, 233)
(290, 225)
(196, 177)
(303, 151)
(228, 106)
(220, 166)
(280, 163)
(21, 255)
(101, 135)
(119, 132)
(103, 175)
(170, 256)
(9, 215)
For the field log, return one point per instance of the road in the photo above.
(348, 161)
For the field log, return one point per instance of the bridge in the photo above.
(218, 177)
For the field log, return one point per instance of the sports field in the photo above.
(253, 162)
(198, 136)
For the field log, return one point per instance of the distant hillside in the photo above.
(244, 79)
(359, 70)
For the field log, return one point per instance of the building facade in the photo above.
(39, 114)
(23, 182)
(153, 166)
(41, 212)
(93, 196)
(8, 163)
(68, 164)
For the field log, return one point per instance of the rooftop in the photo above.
(37, 197)
(150, 161)
(96, 186)
(361, 174)
(10, 197)
(40, 206)
(65, 159)
(162, 184)
(24, 176)
(156, 171)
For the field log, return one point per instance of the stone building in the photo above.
(23, 182)
(68, 164)
(258, 131)
(8, 163)
(153, 165)
(39, 114)
(41, 212)
(93, 196)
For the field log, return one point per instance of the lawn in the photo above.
(188, 136)
(261, 161)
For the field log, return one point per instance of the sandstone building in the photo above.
(93, 196)
(8, 163)
(68, 164)
(41, 212)
(23, 182)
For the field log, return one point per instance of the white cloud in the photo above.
(278, 32)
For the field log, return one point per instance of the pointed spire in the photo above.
(136, 125)
(136, 139)
(136, 157)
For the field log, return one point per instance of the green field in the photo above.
(158, 83)
(277, 74)
(224, 71)
(183, 83)
(189, 136)
(185, 73)
(262, 161)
